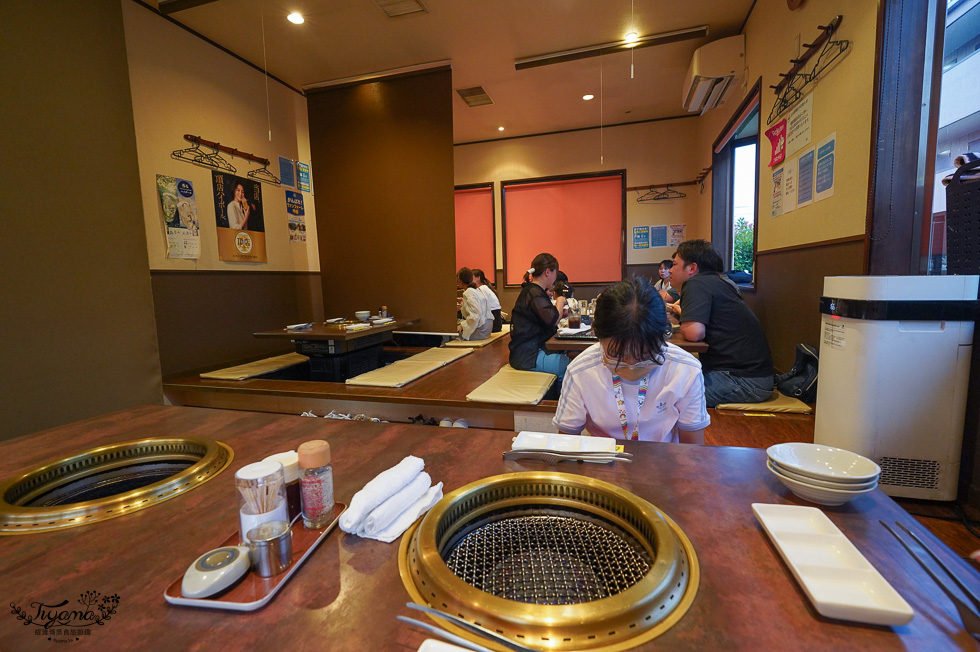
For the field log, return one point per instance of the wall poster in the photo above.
(658, 236)
(287, 172)
(296, 214)
(303, 177)
(238, 217)
(824, 176)
(799, 125)
(179, 217)
(790, 178)
(641, 237)
(777, 138)
(676, 234)
(804, 180)
(777, 193)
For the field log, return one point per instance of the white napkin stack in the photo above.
(390, 503)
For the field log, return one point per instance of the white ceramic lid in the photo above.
(824, 462)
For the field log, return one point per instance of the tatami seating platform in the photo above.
(777, 403)
(512, 386)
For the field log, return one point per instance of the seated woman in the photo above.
(534, 320)
(633, 384)
(667, 293)
(492, 300)
(477, 320)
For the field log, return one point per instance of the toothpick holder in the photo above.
(262, 495)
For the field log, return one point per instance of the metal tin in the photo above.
(271, 547)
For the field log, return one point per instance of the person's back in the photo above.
(735, 339)
(528, 328)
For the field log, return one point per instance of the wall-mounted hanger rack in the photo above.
(790, 88)
(198, 156)
(669, 193)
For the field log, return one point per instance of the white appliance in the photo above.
(714, 69)
(894, 367)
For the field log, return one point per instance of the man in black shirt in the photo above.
(737, 366)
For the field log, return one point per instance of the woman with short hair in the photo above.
(477, 320)
(633, 384)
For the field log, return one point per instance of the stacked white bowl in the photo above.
(822, 474)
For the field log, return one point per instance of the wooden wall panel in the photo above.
(789, 284)
(383, 174)
(77, 337)
(206, 319)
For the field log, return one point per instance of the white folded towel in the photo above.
(383, 486)
(383, 515)
(406, 518)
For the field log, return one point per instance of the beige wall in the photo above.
(842, 103)
(77, 335)
(651, 153)
(184, 85)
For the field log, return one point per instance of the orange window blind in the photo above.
(474, 230)
(579, 221)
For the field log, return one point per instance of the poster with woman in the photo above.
(238, 216)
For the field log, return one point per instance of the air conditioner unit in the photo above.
(714, 69)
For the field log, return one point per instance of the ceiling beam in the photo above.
(172, 6)
(608, 48)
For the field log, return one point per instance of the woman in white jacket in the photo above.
(477, 320)
(484, 286)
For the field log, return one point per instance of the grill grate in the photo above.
(554, 559)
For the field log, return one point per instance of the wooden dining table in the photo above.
(347, 593)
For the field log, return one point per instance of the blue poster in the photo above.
(287, 173)
(658, 236)
(641, 237)
(294, 203)
(824, 173)
(303, 172)
(804, 180)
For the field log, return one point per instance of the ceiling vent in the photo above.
(474, 96)
(401, 7)
(713, 69)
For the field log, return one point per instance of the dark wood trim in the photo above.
(814, 245)
(192, 272)
(754, 94)
(217, 45)
(565, 177)
(493, 219)
(745, 21)
(383, 76)
(568, 131)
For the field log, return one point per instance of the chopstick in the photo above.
(452, 638)
(969, 594)
(970, 619)
(471, 627)
(616, 454)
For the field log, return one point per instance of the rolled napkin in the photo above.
(381, 488)
(406, 518)
(383, 515)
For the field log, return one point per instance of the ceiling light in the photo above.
(295, 18)
(500, 128)
(588, 97)
(631, 37)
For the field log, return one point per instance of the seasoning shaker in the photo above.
(317, 483)
(291, 471)
(262, 495)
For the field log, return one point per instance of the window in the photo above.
(475, 241)
(578, 219)
(735, 189)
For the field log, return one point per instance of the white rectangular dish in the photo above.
(563, 443)
(836, 577)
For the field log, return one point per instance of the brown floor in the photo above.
(757, 430)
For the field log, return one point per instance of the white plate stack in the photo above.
(822, 474)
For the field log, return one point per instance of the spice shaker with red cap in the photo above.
(316, 483)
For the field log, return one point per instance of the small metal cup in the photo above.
(271, 548)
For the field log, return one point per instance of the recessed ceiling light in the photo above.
(500, 128)
(295, 18)
(588, 97)
(631, 37)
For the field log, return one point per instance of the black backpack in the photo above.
(800, 381)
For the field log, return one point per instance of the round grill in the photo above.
(549, 559)
(553, 561)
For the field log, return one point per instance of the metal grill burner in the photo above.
(553, 561)
(559, 559)
(107, 482)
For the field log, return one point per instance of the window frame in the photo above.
(493, 219)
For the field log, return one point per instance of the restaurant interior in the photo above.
(401, 112)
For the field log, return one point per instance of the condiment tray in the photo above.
(254, 592)
(836, 577)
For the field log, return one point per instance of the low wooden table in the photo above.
(347, 594)
(563, 344)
